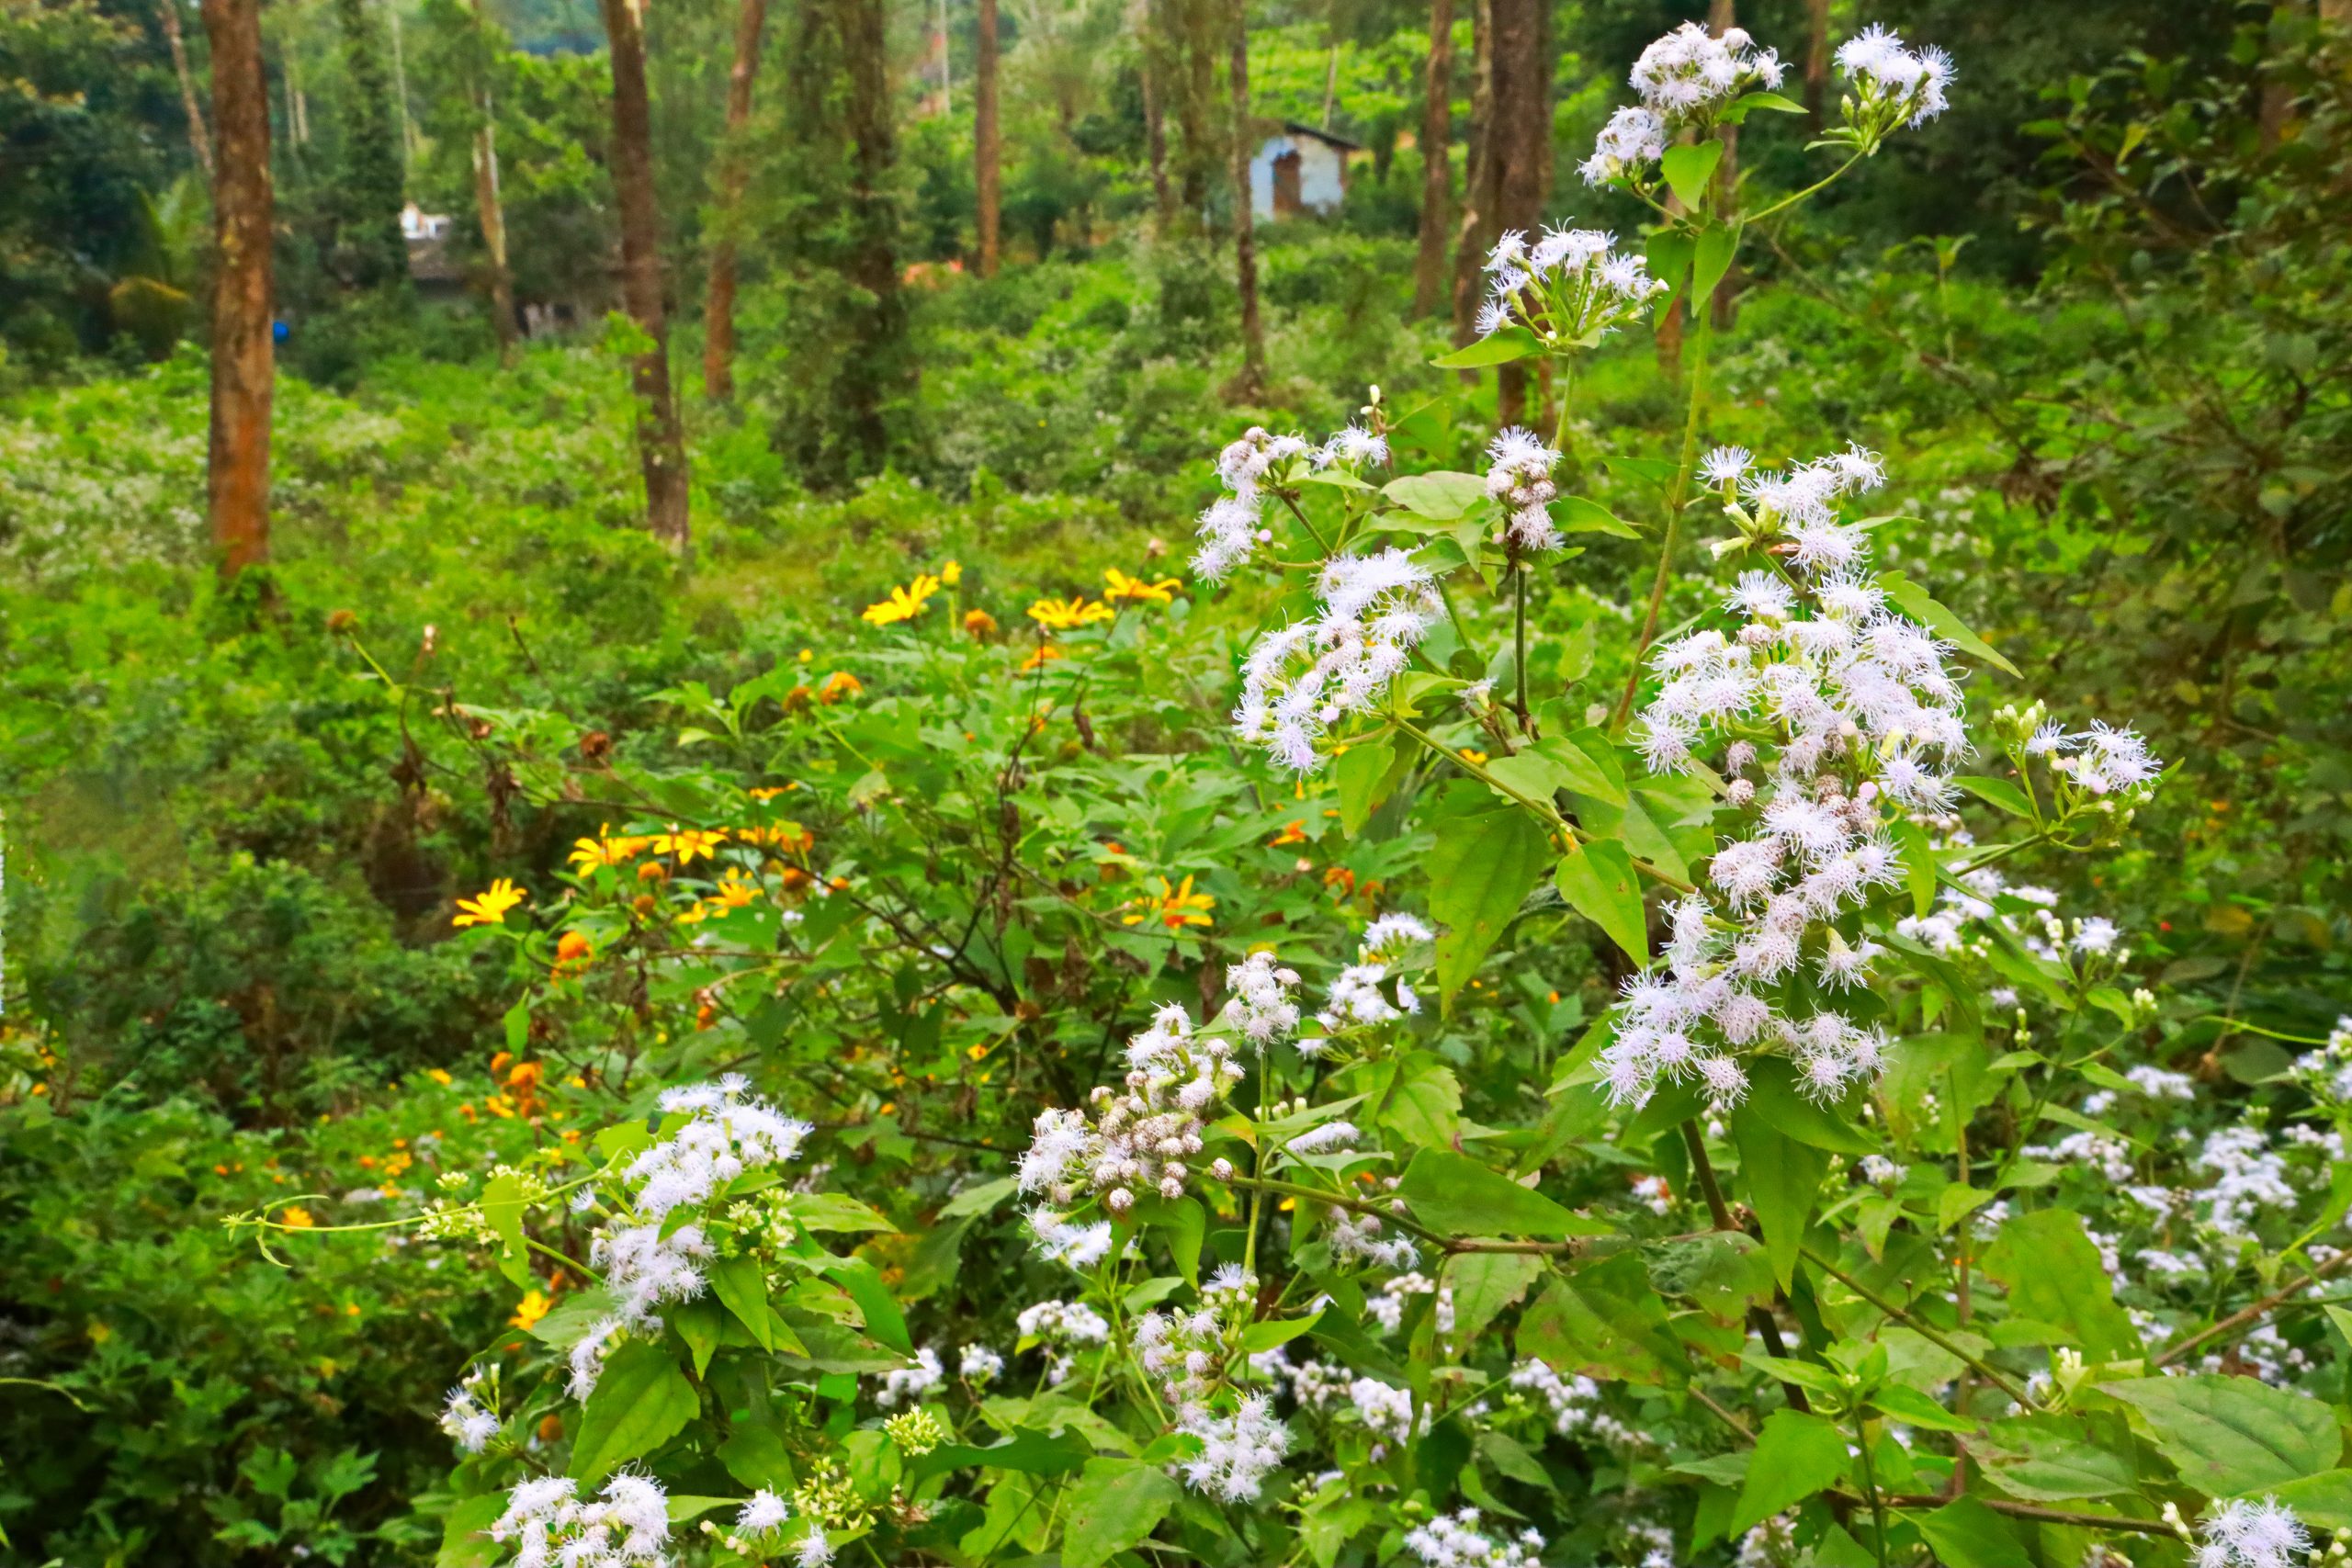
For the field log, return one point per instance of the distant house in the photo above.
(1299, 169)
(430, 264)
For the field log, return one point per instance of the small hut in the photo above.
(1299, 169)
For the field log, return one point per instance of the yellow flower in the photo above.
(688, 844)
(769, 792)
(587, 855)
(951, 573)
(531, 1308)
(1046, 653)
(437, 1075)
(1175, 906)
(488, 907)
(841, 683)
(1068, 614)
(735, 891)
(1136, 591)
(296, 1218)
(1473, 756)
(979, 624)
(904, 604)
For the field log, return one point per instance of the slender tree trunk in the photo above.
(1475, 233)
(1152, 57)
(986, 149)
(400, 85)
(488, 208)
(660, 446)
(1195, 102)
(1522, 114)
(1437, 164)
(881, 375)
(1245, 236)
(1817, 60)
(200, 140)
(243, 361)
(1331, 79)
(718, 303)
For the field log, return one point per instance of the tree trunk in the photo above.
(1437, 164)
(1196, 103)
(1151, 55)
(987, 151)
(1521, 113)
(370, 184)
(200, 140)
(1721, 17)
(243, 361)
(878, 377)
(1475, 233)
(1817, 60)
(718, 303)
(661, 446)
(1245, 238)
(488, 208)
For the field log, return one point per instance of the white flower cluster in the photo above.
(1257, 1005)
(729, 1133)
(1232, 528)
(1356, 1000)
(2240, 1534)
(1386, 1411)
(1894, 85)
(2248, 1175)
(1063, 1328)
(1454, 1540)
(1141, 1136)
(466, 1419)
(1685, 78)
(1567, 287)
(1387, 1309)
(1301, 678)
(553, 1527)
(1519, 478)
(1184, 1351)
(909, 1385)
(1574, 1405)
(979, 1365)
(2327, 1072)
(1075, 1246)
(1354, 1236)
(1237, 1451)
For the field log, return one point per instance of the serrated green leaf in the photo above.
(1113, 1505)
(1998, 793)
(2230, 1437)
(1480, 869)
(742, 1289)
(1915, 601)
(2054, 1276)
(640, 1402)
(1455, 1195)
(1575, 514)
(1599, 883)
(1797, 1456)
(1498, 347)
(1773, 1094)
(1783, 1177)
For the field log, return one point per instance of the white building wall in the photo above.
(1320, 174)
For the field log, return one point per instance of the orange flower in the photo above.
(572, 952)
(735, 891)
(296, 1218)
(1136, 591)
(1046, 653)
(1292, 833)
(1174, 906)
(488, 907)
(839, 686)
(979, 624)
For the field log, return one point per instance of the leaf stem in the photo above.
(1677, 495)
(1911, 1320)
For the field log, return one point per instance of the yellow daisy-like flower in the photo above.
(1046, 653)
(605, 849)
(488, 907)
(689, 845)
(735, 891)
(1068, 615)
(951, 573)
(904, 604)
(1136, 591)
(531, 1308)
(296, 1218)
(1174, 906)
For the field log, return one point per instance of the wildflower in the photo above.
(1176, 907)
(296, 1217)
(1354, 448)
(689, 845)
(1633, 139)
(915, 1432)
(1068, 615)
(1123, 589)
(761, 1511)
(488, 907)
(572, 952)
(1237, 1451)
(1140, 1138)
(1687, 75)
(979, 1365)
(1891, 85)
(628, 1526)
(1230, 530)
(2240, 1534)
(951, 573)
(839, 686)
(979, 625)
(604, 849)
(531, 1308)
(907, 1385)
(904, 604)
(1569, 289)
(1521, 478)
(1301, 678)
(464, 1419)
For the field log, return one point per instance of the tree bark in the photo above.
(243, 358)
(1474, 233)
(488, 208)
(880, 373)
(200, 140)
(718, 303)
(1195, 102)
(1437, 164)
(660, 446)
(1152, 56)
(987, 147)
(1245, 237)
(1817, 60)
(1522, 114)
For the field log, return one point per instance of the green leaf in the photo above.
(1964, 1533)
(2230, 1436)
(1499, 347)
(465, 1533)
(754, 1454)
(1797, 1456)
(2322, 1501)
(1485, 1283)
(1186, 1226)
(1455, 1195)
(1575, 514)
(1480, 868)
(1367, 774)
(1511, 1458)
(742, 1289)
(1711, 257)
(1911, 1408)
(1599, 881)
(1605, 1322)
(502, 1202)
(1669, 251)
(1688, 166)
(1586, 762)
(836, 1211)
(1534, 773)
(1914, 602)
(1918, 864)
(640, 1402)
(2054, 1276)
(1773, 1094)
(1725, 1272)
(2049, 1458)
(980, 1197)
(1267, 1333)
(1783, 1177)
(884, 1322)
(1996, 793)
(1113, 1505)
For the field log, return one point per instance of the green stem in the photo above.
(1312, 532)
(1870, 1487)
(1678, 492)
(1518, 639)
(1789, 201)
(1927, 1331)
